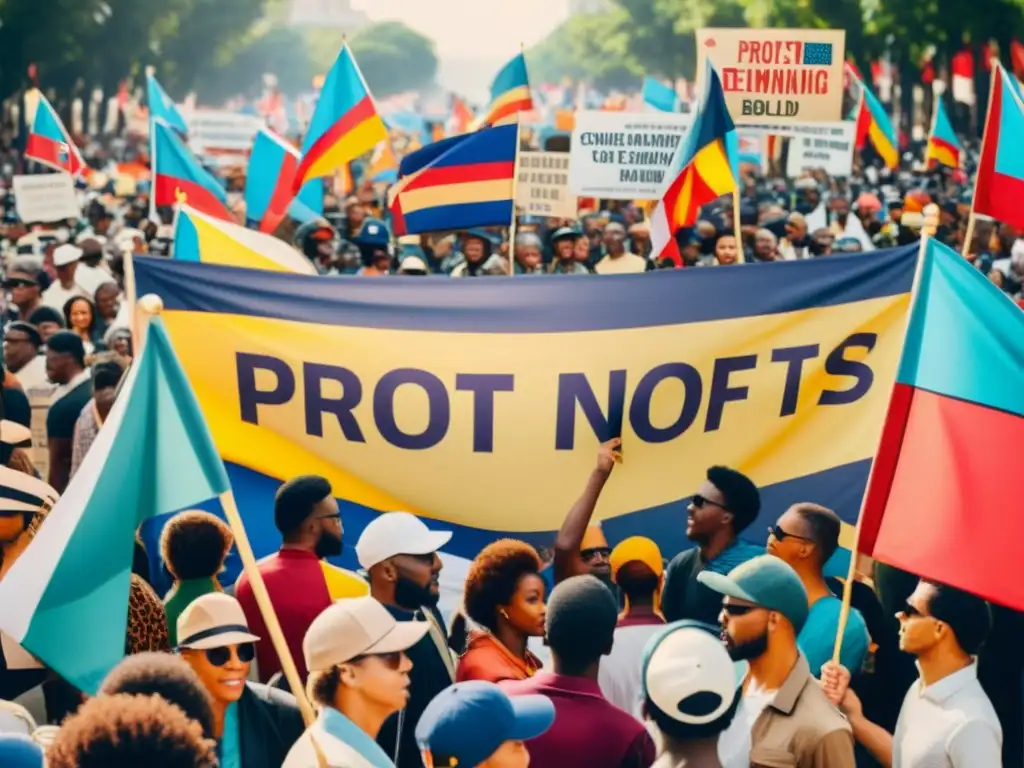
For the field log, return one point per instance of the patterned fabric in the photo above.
(147, 622)
(86, 429)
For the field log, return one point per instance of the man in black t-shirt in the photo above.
(65, 366)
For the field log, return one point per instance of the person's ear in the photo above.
(347, 674)
(727, 517)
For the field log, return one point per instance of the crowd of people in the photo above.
(579, 654)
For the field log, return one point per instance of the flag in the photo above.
(510, 94)
(658, 96)
(931, 507)
(943, 147)
(162, 106)
(345, 123)
(460, 182)
(198, 237)
(708, 159)
(177, 172)
(49, 143)
(999, 184)
(268, 182)
(873, 125)
(462, 116)
(383, 166)
(66, 599)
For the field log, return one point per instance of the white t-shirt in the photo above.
(56, 296)
(735, 742)
(619, 673)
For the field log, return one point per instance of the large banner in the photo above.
(480, 404)
(783, 75)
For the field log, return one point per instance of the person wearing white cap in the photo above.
(358, 677)
(254, 725)
(399, 552)
(64, 288)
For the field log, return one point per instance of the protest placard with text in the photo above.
(542, 186)
(828, 146)
(624, 155)
(784, 75)
(45, 198)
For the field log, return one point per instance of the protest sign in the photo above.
(45, 198)
(624, 155)
(828, 146)
(542, 186)
(786, 75)
(222, 136)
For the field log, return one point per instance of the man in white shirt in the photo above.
(947, 720)
(92, 272)
(65, 262)
(618, 261)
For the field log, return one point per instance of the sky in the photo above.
(473, 29)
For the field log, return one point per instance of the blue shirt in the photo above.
(230, 741)
(818, 637)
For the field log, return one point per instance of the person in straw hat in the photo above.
(254, 725)
(358, 677)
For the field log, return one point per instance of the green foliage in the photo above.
(394, 58)
(592, 47)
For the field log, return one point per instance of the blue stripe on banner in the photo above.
(841, 488)
(443, 217)
(547, 304)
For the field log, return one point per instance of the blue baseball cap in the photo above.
(765, 581)
(470, 721)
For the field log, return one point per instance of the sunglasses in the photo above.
(700, 502)
(392, 660)
(592, 553)
(910, 612)
(781, 535)
(19, 283)
(731, 609)
(218, 657)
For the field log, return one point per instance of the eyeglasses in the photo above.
(910, 612)
(781, 535)
(701, 501)
(218, 657)
(592, 553)
(738, 610)
(19, 283)
(391, 660)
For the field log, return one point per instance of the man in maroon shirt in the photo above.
(588, 729)
(306, 514)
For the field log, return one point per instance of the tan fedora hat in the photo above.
(357, 626)
(213, 621)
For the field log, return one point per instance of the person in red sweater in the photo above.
(588, 729)
(505, 597)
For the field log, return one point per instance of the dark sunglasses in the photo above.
(19, 283)
(218, 657)
(392, 660)
(910, 612)
(781, 535)
(592, 553)
(732, 609)
(701, 501)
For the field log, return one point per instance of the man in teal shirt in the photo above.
(805, 537)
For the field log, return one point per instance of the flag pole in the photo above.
(512, 225)
(851, 573)
(151, 305)
(969, 233)
(133, 304)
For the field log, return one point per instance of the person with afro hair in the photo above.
(193, 546)
(165, 675)
(123, 730)
(725, 505)
(504, 597)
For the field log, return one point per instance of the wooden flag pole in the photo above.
(851, 573)
(133, 304)
(152, 305)
(512, 225)
(969, 233)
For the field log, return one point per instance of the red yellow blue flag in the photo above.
(874, 125)
(707, 160)
(179, 177)
(943, 147)
(999, 184)
(49, 143)
(510, 94)
(345, 123)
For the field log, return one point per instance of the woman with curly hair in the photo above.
(504, 597)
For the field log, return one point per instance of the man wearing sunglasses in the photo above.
(23, 286)
(946, 718)
(805, 537)
(726, 503)
(254, 725)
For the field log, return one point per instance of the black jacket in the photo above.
(269, 723)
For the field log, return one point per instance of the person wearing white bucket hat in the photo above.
(358, 677)
(254, 725)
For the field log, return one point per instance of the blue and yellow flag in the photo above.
(481, 407)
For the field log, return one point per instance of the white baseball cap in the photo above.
(66, 254)
(356, 626)
(397, 533)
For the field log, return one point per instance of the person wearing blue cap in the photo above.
(476, 724)
(19, 751)
(477, 245)
(691, 691)
(784, 712)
